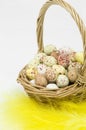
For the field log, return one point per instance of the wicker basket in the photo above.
(75, 92)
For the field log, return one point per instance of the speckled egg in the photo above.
(72, 75)
(40, 80)
(51, 75)
(63, 60)
(72, 56)
(40, 57)
(49, 49)
(79, 56)
(65, 50)
(33, 63)
(62, 81)
(74, 65)
(41, 68)
(51, 86)
(31, 73)
(55, 54)
(49, 61)
(59, 69)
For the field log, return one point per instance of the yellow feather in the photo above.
(18, 112)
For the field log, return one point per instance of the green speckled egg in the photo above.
(62, 81)
(49, 49)
(40, 57)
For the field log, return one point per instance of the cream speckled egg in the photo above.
(33, 63)
(62, 81)
(59, 69)
(74, 65)
(49, 61)
(51, 75)
(49, 49)
(40, 57)
(41, 80)
(31, 73)
(72, 56)
(41, 68)
(52, 86)
(65, 50)
(72, 75)
(79, 56)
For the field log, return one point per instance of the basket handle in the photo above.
(74, 15)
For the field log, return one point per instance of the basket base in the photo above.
(55, 102)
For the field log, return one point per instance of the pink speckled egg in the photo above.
(63, 60)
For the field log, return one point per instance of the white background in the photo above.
(18, 42)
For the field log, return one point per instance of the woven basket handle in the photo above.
(74, 15)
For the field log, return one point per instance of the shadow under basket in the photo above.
(75, 92)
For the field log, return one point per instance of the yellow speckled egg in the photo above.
(59, 69)
(31, 73)
(49, 61)
(79, 56)
(49, 49)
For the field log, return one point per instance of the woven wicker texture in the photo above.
(76, 91)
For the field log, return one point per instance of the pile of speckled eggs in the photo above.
(54, 68)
